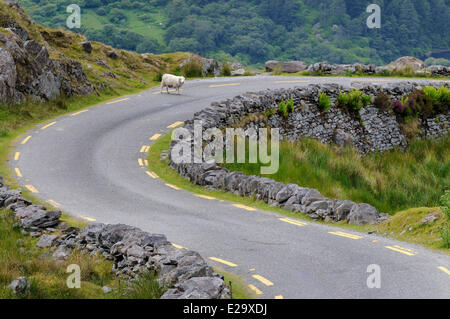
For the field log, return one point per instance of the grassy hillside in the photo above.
(258, 30)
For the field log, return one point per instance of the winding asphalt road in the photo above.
(88, 164)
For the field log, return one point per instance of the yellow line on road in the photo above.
(80, 112)
(88, 218)
(144, 148)
(155, 137)
(225, 262)
(178, 246)
(176, 124)
(265, 281)
(293, 222)
(173, 186)
(152, 175)
(53, 203)
(121, 100)
(251, 209)
(222, 85)
(204, 196)
(26, 140)
(444, 270)
(347, 235)
(141, 163)
(31, 188)
(146, 163)
(16, 156)
(279, 297)
(48, 125)
(402, 250)
(255, 290)
(18, 173)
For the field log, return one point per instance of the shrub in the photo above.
(324, 102)
(426, 103)
(383, 102)
(226, 69)
(354, 100)
(290, 105)
(192, 69)
(282, 109)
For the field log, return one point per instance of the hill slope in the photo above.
(257, 30)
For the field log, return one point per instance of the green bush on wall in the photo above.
(324, 102)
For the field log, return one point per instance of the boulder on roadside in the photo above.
(406, 62)
(363, 214)
(285, 67)
(46, 241)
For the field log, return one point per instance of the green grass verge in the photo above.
(239, 289)
(19, 256)
(396, 227)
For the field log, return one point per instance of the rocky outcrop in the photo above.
(372, 130)
(286, 67)
(406, 62)
(26, 69)
(133, 252)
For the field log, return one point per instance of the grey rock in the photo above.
(286, 67)
(61, 253)
(87, 46)
(41, 219)
(429, 219)
(46, 241)
(20, 286)
(363, 214)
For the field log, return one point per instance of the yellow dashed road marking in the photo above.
(31, 188)
(141, 163)
(144, 148)
(80, 112)
(26, 140)
(18, 173)
(178, 246)
(222, 85)
(255, 290)
(279, 297)
(402, 250)
(347, 235)
(173, 186)
(176, 124)
(225, 262)
(293, 222)
(152, 175)
(265, 281)
(155, 137)
(444, 270)
(146, 163)
(48, 125)
(53, 203)
(121, 100)
(205, 197)
(16, 156)
(88, 218)
(253, 269)
(251, 209)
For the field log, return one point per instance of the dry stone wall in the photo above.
(373, 130)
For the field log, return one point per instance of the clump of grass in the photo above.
(226, 69)
(324, 102)
(391, 181)
(277, 70)
(383, 102)
(192, 69)
(286, 107)
(145, 286)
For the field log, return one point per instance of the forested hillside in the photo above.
(254, 31)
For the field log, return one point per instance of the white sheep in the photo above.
(172, 81)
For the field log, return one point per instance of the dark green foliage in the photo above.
(445, 230)
(192, 69)
(290, 105)
(226, 69)
(324, 102)
(353, 101)
(255, 31)
(282, 109)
